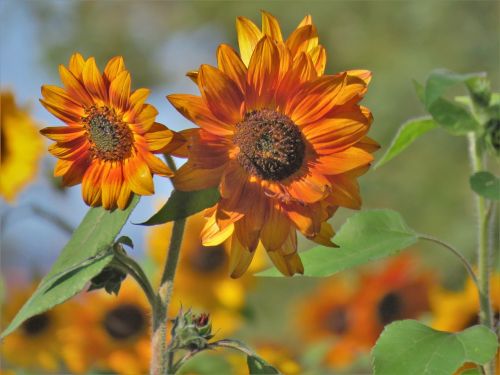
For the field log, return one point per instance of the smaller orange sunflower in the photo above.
(110, 137)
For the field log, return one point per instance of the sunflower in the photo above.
(110, 332)
(201, 279)
(21, 147)
(111, 134)
(283, 143)
(37, 344)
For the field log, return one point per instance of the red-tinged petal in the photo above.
(208, 151)
(364, 75)
(63, 114)
(368, 144)
(303, 39)
(194, 109)
(74, 88)
(158, 137)
(221, 94)
(74, 175)
(331, 135)
(345, 191)
(178, 146)
(343, 161)
(76, 63)
(119, 91)
(355, 88)
(113, 68)
(248, 36)
(263, 73)
(137, 100)
(63, 133)
(309, 187)
(61, 167)
(276, 228)
(271, 27)
(325, 235)
(124, 197)
(58, 97)
(247, 234)
(239, 259)
(91, 184)
(193, 76)
(315, 99)
(156, 165)
(145, 119)
(188, 178)
(230, 63)
(301, 216)
(69, 150)
(285, 60)
(112, 180)
(212, 235)
(93, 81)
(138, 176)
(318, 57)
(232, 180)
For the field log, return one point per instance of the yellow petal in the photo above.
(248, 36)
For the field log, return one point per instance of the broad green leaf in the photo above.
(83, 257)
(452, 117)
(182, 204)
(486, 185)
(259, 366)
(441, 80)
(406, 135)
(365, 236)
(409, 347)
(472, 371)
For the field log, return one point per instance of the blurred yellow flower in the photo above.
(21, 147)
(37, 344)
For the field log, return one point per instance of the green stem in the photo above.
(161, 360)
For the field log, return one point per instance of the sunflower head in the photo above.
(282, 141)
(110, 137)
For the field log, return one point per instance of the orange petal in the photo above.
(157, 165)
(188, 178)
(239, 259)
(112, 180)
(63, 133)
(248, 36)
(271, 27)
(302, 217)
(74, 175)
(61, 167)
(119, 91)
(178, 146)
(288, 265)
(208, 151)
(310, 187)
(70, 150)
(145, 119)
(138, 176)
(302, 39)
(137, 100)
(318, 57)
(193, 75)
(158, 137)
(263, 71)
(246, 233)
(194, 109)
(124, 197)
(368, 144)
(230, 63)
(324, 236)
(74, 88)
(340, 162)
(93, 81)
(212, 235)
(58, 98)
(91, 184)
(221, 94)
(307, 20)
(114, 67)
(276, 228)
(63, 114)
(345, 191)
(76, 63)
(365, 75)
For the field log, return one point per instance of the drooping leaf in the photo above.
(258, 366)
(84, 256)
(406, 135)
(452, 117)
(365, 236)
(182, 204)
(486, 184)
(410, 347)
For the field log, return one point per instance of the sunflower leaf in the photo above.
(257, 366)
(410, 347)
(365, 236)
(182, 204)
(486, 185)
(452, 117)
(407, 134)
(84, 256)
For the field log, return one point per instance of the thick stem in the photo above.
(160, 362)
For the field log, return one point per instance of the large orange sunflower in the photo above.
(111, 134)
(283, 142)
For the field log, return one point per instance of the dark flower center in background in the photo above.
(390, 308)
(36, 324)
(124, 321)
(336, 321)
(271, 145)
(208, 259)
(110, 138)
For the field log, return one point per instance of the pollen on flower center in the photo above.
(110, 138)
(271, 145)
(124, 321)
(36, 324)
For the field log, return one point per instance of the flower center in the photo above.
(36, 324)
(336, 321)
(271, 145)
(124, 321)
(208, 259)
(390, 308)
(110, 138)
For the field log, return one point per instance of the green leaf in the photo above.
(406, 135)
(365, 236)
(420, 91)
(441, 80)
(454, 118)
(486, 185)
(410, 347)
(182, 204)
(125, 240)
(257, 365)
(84, 256)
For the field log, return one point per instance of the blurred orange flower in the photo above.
(21, 147)
(283, 143)
(111, 134)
